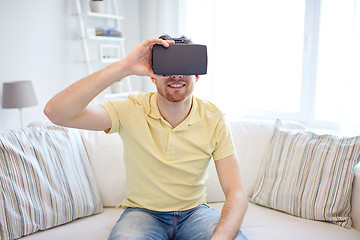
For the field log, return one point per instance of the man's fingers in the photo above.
(170, 41)
(151, 41)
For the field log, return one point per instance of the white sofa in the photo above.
(251, 139)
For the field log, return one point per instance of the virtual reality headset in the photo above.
(179, 59)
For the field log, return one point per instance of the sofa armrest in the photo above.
(355, 199)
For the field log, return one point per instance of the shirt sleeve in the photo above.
(114, 109)
(224, 146)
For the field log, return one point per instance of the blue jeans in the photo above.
(141, 224)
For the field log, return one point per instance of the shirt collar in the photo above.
(193, 117)
(154, 110)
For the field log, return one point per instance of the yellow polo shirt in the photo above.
(166, 168)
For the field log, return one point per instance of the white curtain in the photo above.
(350, 121)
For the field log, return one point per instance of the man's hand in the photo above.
(235, 205)
(138, 62)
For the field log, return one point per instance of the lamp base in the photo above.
(21, 118)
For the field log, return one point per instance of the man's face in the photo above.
(175, 88)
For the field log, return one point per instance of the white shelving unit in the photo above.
(101, 50)
(104, 15)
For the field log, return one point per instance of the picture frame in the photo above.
(109, 53)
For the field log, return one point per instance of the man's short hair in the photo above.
(183, 38)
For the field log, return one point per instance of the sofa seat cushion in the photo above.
(259, 223)
(263, 223)
(96, 227)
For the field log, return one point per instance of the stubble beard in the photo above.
(173, 95)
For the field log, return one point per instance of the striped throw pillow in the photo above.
(309, 175)
(45, 180)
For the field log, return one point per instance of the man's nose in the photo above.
(177, 76)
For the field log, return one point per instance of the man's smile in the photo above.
(176, 85)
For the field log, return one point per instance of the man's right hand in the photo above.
(138, 62)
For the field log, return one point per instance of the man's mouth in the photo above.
(176, 85)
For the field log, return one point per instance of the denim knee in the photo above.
(136, 224)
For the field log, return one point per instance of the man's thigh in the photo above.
(138, 225)
(201, 224)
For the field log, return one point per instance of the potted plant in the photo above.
(97, 6)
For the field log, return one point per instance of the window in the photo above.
(274, 59)
(335, 34)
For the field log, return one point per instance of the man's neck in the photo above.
(174, 112)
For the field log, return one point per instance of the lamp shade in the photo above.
(18, 94)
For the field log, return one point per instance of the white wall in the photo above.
(33, 45)
(39, 42)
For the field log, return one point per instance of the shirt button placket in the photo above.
(170, 154)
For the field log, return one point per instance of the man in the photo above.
(169, 138)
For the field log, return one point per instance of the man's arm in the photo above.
(235, 205)
(71, 107)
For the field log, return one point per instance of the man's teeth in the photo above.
(176, 85)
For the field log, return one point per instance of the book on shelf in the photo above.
(107, 32)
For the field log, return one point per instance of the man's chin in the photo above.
(176, 98)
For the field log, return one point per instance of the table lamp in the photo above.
(18, 94)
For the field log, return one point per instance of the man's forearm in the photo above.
(232, 216)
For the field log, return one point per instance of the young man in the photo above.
(169, 138)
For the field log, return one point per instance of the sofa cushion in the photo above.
(355, 199)
(96, 227)
(309, 175)
(251, 139)
(259, 223)
(262, 223)
(106, 152)
(46, 180)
